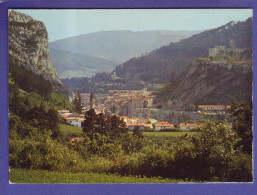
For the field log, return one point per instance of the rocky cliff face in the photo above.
(28, 47)
(207, 83)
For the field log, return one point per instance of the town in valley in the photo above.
(138, 108)
(130, 95)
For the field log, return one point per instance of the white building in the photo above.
(132, 126)
(188, 126)
(151, 120)
(163, 125)
(214, 109)
(75, 121)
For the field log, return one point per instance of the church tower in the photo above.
(92, 100)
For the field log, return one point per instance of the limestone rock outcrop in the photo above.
(28, 47)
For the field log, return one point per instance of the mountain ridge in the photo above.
(173, 57)
(70, 64)
(118, 46)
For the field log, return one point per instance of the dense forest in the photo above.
(28, 81)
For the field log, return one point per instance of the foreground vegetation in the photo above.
(215, 153)
(69, 129)
(44, 176)
(38, 143)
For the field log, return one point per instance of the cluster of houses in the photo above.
(129, 102)
(144, 124)
(131, 122)
(136, 100)
(150, 123)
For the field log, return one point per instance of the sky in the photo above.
(64, 23)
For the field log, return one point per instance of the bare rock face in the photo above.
(208, 83)
(28, 47)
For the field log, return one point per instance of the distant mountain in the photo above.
(158, 65)
(69, 64)
(119, 46)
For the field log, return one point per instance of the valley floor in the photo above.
(44, 176)
(77, 130)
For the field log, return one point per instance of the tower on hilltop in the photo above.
(92, 100)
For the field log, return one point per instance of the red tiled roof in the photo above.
(136, 124)
(161, 124)
(190, 125)
(213, 106)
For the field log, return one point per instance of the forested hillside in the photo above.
(158, 65)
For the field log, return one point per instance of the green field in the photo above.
(70, 129)
(43, 176)
(166, 134)
(77, 130)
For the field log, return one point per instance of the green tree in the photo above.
(17, 104)
(242, 124)
(116, 126)
(78, 103)
(138, 139)
(89, 125)
(212, 155)
(53, 122)
(111, 126)
(43, 119)
(137, 132)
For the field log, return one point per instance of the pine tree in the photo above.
(89, 124)
(79, 108)
(78, 103)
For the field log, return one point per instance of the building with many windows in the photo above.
(214, 109)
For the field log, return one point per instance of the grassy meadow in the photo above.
(166, 134)
(44, 176)
(69, 129)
